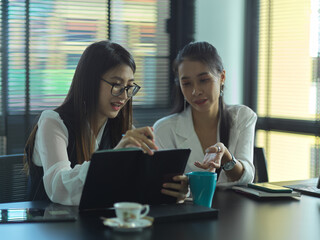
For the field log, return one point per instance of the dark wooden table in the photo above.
(240, 217)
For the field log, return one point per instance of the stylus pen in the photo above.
(147, 136)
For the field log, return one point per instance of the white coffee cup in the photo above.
(130, 212)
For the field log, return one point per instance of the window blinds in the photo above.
(141, 27)
(59, 33)
(16, 55)
(287, 86)
(47, 38)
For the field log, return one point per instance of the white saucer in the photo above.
(136, 226)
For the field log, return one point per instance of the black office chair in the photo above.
(13, 179)
(260, 163)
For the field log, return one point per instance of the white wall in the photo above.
(221, 23)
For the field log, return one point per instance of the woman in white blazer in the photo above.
(221, 137)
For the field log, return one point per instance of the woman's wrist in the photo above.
(227, 157)
(228, 166)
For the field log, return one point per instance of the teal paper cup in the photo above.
(202, 186)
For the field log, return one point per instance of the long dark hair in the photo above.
(81, 102)
(207, 54)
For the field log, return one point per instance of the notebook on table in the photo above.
(130, 175)
(310, 187)
(263, 194)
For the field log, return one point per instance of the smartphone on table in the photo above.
(19, 215)
(268, 187)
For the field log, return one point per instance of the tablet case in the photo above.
(130, 175)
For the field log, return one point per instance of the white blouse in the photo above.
(177, 131)
(62, 183)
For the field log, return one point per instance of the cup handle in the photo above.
(145, 209)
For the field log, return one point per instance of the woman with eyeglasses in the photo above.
(96, 114)
(220, 136)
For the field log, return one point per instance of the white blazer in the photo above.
(177, 131)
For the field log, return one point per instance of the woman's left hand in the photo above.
(178, 190)
(212, 159)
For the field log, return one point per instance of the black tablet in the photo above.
(130, 175)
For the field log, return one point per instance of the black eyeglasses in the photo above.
(118, 89)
